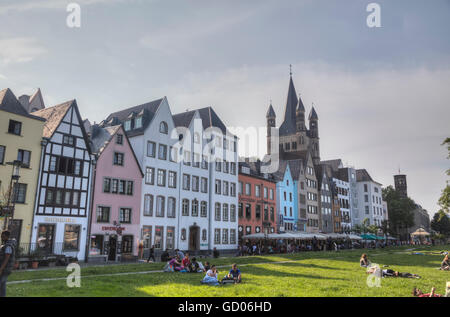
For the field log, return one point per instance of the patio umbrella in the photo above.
(420, 233)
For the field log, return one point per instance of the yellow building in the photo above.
(20, 140)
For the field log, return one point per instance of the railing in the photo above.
(40, 249)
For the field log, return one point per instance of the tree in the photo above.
(384, 227)
(401, 215)
(444, 200)
(441, 223)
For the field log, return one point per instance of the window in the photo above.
(218, 186)
(185, 207)
(20, 192)
(225, 188)
(172, 179)
(118, 158)
(127, 244)
(119, 139)
(2, 154)
(187, 158)
(217, 212)
(68, 140)
(240, 210)
(96, 247)
(71, 237)
(233, 168)
(258, 211)
(241, 188)
(53, 163)
(163, 128)
(24, 157)
(233, 213)
(160, 206)
(130, 188)
(365, 188)
(195, 208)
(15, 127)
(127, 125)
(161, 177)
(271, 194)
(125, 215)
(248, 189)
(138, 123)
(204, 235)
(75, 200)
(224, 236)
(148, 205)
(183, 234)
(186, 181)
(266, 213)
(195, 183)
(218, 166)
(216, 236)
(150, 175)
(233, 189)
(204, 185)
(248, 211)
(103, 214)
(196, 160)
(203, 209)
(171, 207)
(159, 237)
(257, 190)
(147, 236)
(49, 197)
(204, 162)
(122, 185)
(232, 236)
(162, 152)
(173, 154)
(170, 238)
(115, 186)
(151, 149)
(225, 212)
(272, 214)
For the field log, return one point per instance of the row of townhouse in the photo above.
(141, 178)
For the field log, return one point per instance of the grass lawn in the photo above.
(301, 274)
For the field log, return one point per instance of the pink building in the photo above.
(115, 221)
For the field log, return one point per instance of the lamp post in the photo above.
(13, 190)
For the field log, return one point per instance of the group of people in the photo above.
(374, 269)
(211, 277)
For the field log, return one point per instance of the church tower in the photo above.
(314, 136)
(400, 185)
(271, 117)
(300, 116)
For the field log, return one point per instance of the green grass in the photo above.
(304, 274)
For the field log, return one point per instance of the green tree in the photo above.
(401, 216)
(441, 223)
(444, 200)
(385, 228)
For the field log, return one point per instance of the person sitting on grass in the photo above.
(418, 293)
(211, 277)
(233, 275)
(364, 261)
(445, 265)
(176, 264)
(186, 262)
(165, 257)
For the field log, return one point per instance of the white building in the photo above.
(60, 223)
(180, 203)
(370, 201)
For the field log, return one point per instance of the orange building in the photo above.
(257, 200)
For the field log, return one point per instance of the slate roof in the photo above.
(211, 119)
(300, 106)
(183, 119)
(313, 114)
(100, 137)
(335, 164)
(288, 126)
(9, 103)
(362, 175)
(295, 166)
(270, 112)
(146, 110)
(53, 116)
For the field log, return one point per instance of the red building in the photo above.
(257, 200)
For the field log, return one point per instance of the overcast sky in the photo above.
(382, 94)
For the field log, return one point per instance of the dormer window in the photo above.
(138, 123)
(163, 128)
(196, 138)
(127, 125)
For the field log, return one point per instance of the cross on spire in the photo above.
(290, 69)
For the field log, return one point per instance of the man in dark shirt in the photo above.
(7, 259)
(235, 274)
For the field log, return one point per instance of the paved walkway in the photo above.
(130, 273)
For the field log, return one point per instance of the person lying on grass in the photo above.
(211, 276)
(418, 293)
(233, 275)
(364, 261)
(392, 273)
(445, 265)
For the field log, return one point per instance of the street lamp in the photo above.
(13, 190)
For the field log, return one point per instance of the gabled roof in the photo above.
(146, 110)
(335, 164)
(362, 175)
(101, 137)
(183, 119)
(288, 126)
(295, 166)
(9, 103)
(53, 116)
(211, 119)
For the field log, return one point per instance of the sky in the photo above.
(382, 94)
